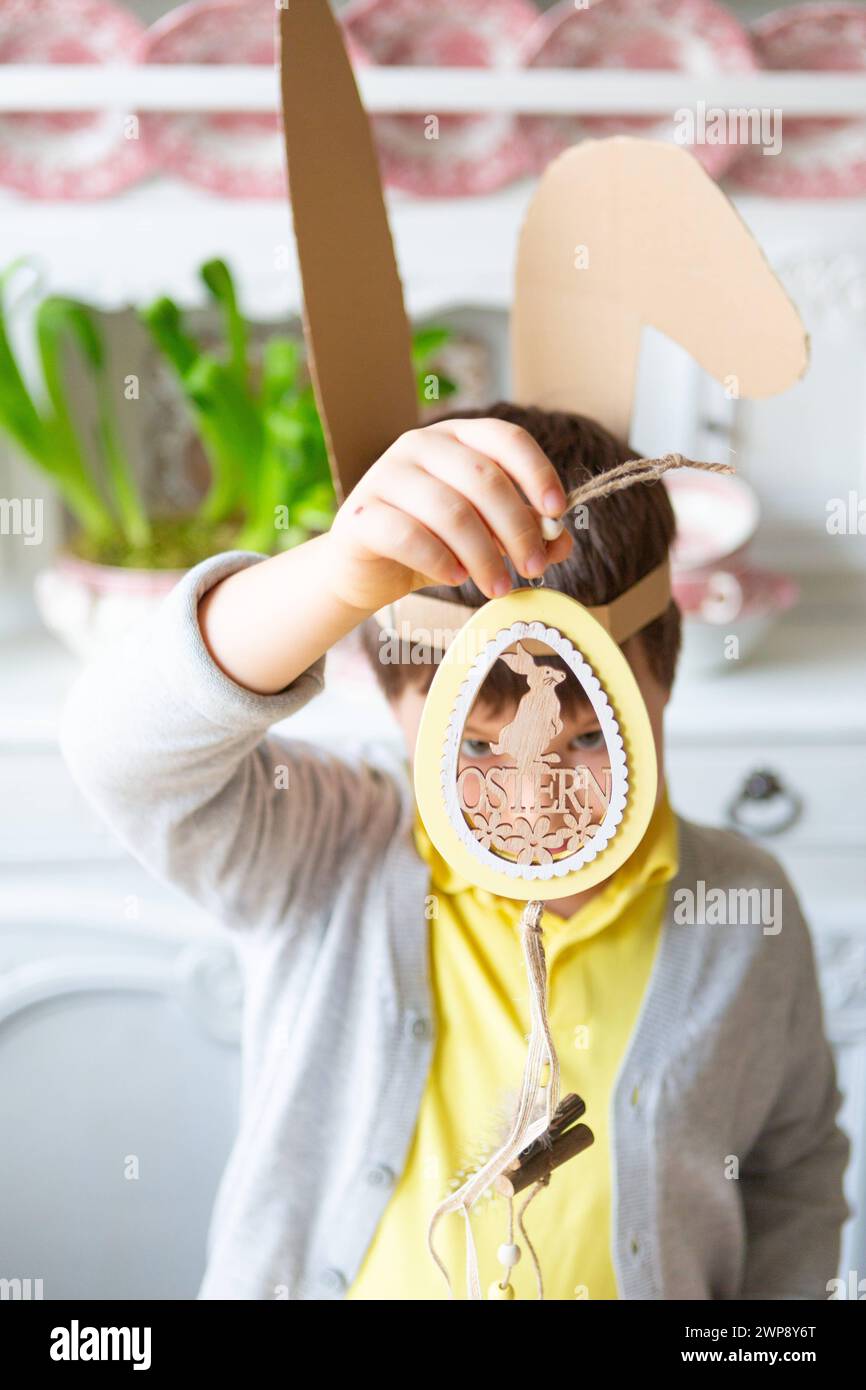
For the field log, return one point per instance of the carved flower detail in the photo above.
(490, 830)
(533, 843)
(577, 830)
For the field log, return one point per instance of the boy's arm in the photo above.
(792, 1178)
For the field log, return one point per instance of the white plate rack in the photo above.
(151, 238)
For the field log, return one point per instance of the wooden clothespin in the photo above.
(561, 1141)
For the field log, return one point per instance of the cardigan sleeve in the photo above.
(792, 1179)
(179, 760)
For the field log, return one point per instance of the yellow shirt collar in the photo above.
(655, 861)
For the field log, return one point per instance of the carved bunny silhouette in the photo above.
(537, 720)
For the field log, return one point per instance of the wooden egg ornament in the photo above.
(526, 823)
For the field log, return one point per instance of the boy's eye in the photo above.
(475, 748)
(590, 742)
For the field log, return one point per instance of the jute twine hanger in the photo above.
(529, 1131)
(633, 471)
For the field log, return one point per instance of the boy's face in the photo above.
(580, 741)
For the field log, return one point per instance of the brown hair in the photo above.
(628, 535)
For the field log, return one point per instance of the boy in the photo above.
(385, 1007)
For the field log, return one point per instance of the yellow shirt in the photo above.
(599, 962)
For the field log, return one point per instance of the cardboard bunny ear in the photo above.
(354, 319)
(625, 232)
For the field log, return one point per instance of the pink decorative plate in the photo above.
(819, 158)
(75, 154)
(722, 595)
(695, 36)
(447, 155)
(234, 153)
(716, 518)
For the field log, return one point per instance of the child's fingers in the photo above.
(451, 517)
(392, 534)
(558, 550)
(489, 489)
(517, 453)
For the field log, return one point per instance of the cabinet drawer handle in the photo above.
(764, 806)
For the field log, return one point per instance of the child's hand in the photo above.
(443, 503)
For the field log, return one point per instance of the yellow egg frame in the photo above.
(618, 689)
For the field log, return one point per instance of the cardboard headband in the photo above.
(435, 622)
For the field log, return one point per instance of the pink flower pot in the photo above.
(88, 606)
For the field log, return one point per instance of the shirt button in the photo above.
(634, 1246)
(380, 1175)
(419, 1027)
(333, 1280)
(635, 1095)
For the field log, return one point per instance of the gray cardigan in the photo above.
(728, 1067)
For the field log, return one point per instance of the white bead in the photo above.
(552, 527)
(508, 1255)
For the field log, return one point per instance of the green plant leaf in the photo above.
(56, 320)
(218, 280)
(426, 341)
(133, 518)
(281, 363)
(223, 412)
(19, 416)
(165, 323)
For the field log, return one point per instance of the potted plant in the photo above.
(269, 484)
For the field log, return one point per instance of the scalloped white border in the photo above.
(469, 688)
